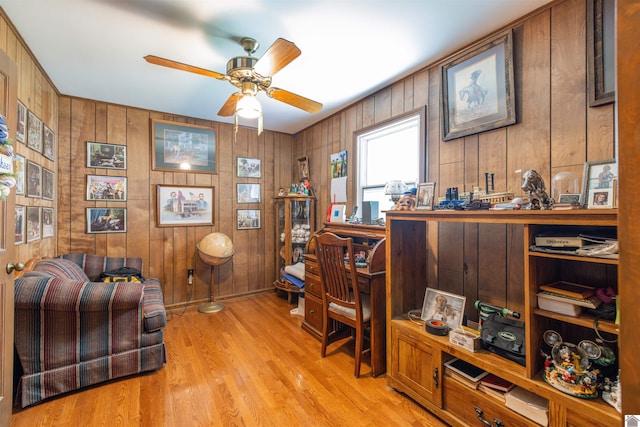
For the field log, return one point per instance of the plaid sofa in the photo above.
(72, 331)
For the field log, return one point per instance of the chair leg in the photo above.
(358, 350)
(325, 335)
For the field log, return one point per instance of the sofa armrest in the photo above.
(42, 293)
(155, 316)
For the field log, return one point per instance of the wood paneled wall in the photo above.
(556, 131)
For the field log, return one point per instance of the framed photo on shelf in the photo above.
(248, 168)
(599, 175)
(21, 125)
(303, 168)
(184, 205)
(183, 147)
(426, 194)
(102, 187)
(19, 169)
(106, 220)
(601, 198)
(21, 224)
(48, 221)
(34, 224)
(106, 156)
(48, 184)
(49, 144)
(34, 133)
(248, 219)
(443, 306)
(478, 90)
(34, 179)
(248, 193)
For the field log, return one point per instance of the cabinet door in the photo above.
(416, 364)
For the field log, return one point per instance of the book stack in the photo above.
(464, 372)
(567, 298)
(495, 386)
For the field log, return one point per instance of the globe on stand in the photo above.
(214, 249)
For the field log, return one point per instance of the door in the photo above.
(8, 108)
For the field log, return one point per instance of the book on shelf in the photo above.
(466, 369)
(556, 241)
(560, 307)
(590, 302)
(500, 395)
(569, 289)
(473, 385)
(496, 383)
(528, 404)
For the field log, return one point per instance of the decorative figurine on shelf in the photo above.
(7, 178)
(407, 202)
(533, 185)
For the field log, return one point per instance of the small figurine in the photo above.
(406, 203)
(533, 185)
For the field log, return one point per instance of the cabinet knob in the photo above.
(435, 376)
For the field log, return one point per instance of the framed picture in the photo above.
(21, 125)
(601, 63)
(569, 199)
(426, 193)
(33, 223)
(48, 184)
(49, 144)
(21, 224)
(443, 306)
(184, 205)
(478, 90)
(106, 156)
(248, 168)
(106, 220)
(183, 147)
(34, 179)
(303, 168)
(600, 198)
(19, 167)
(34, 132)
(248, 219)
(48, 221)
(248, 193)
(599, 174)
(101, 187)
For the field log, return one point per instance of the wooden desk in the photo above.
(371, 280)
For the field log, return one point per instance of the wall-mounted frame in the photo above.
(48, 184)
(426, 193)
(601, 63)
(102, 187)
(106, 220)
(48, 222)
(248, 219)
(21, 224)
(248, 168)
(248, 193)
(183, 147)
(184, 205)
(19, 168)
(106, 156)
(34, 132)
(34, 179)
(21, 125)
(598, 175)
(478, 89)
(49, 144)
(34, 223)
(443, 306)
(303, 168)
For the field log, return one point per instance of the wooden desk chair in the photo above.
(341, 300)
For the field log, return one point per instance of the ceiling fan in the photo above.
(251, 75)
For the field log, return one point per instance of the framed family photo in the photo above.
(101, 187)
(49, 144)
(34, 223)
(443, 306)
(106, 156)
(478, 89)
(106, 220)
(248, 168)
(21, 125)
(598, 178)
(34, 132)
(426, 193)
(248, 193)
(184, 205)
(34, 179)
(248, 219)
(19, 169)
(21, 224)
(183, 147)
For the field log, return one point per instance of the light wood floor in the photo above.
(248, 365)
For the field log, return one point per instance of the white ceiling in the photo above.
(350, 48)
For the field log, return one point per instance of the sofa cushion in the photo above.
(61, 268)
(94, 265)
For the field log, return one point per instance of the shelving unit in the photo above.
(415, 358)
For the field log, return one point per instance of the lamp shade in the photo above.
(248, 107)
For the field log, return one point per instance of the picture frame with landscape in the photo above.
(248, 168)
(248, 219)
(183, 147)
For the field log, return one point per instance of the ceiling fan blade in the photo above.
(281, 53)
(229, 107)
(152, 59)
(297, 101)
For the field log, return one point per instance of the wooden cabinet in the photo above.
(295, 222)
(415, 358)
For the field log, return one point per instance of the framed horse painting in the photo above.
(478, 90)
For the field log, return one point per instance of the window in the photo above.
(388, 152)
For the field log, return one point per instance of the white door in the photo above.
(8, 108)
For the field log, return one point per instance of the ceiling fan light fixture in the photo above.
(249, 107)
